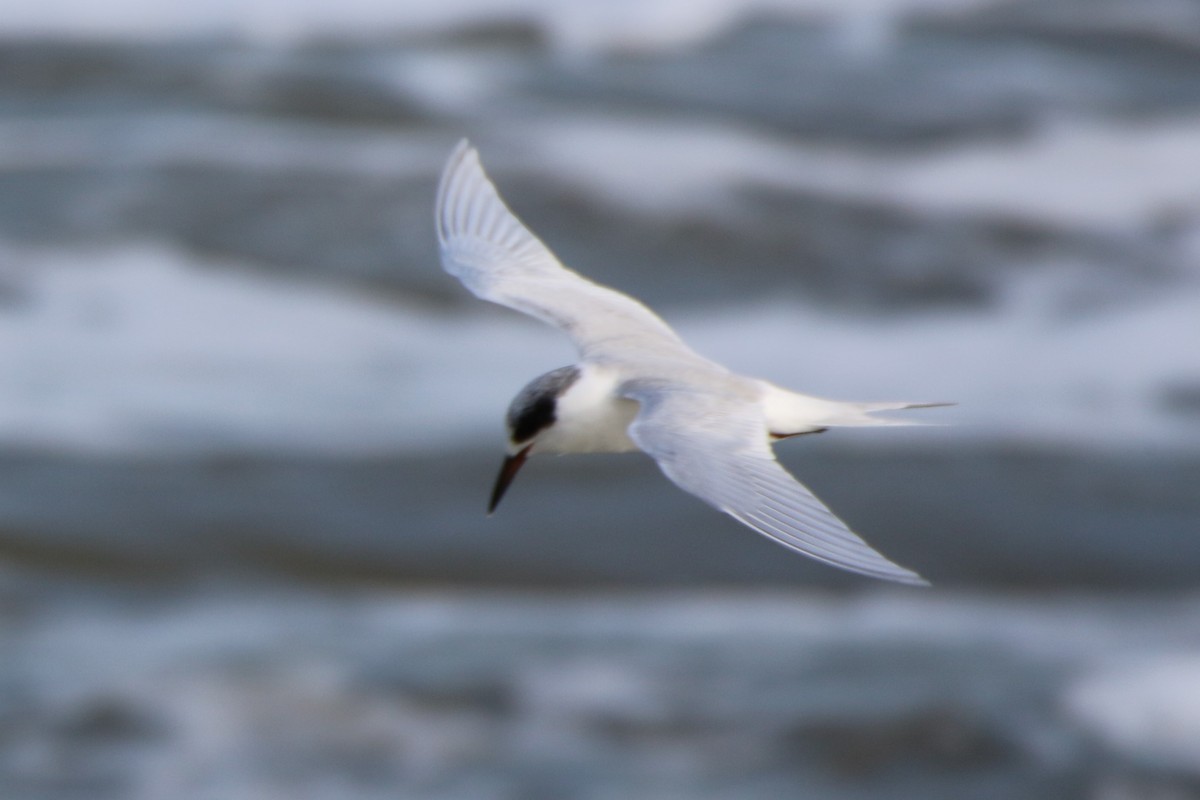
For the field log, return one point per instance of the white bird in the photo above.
(637, 386)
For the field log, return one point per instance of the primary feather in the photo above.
(485, 246)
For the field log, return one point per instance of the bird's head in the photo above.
(531, 414)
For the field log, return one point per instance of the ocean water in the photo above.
(248, 426)
(448, 694)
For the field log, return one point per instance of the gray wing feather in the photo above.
(717, 449)
(497, 258)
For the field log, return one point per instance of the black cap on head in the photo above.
(533, 409)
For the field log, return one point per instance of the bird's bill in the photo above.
(508, 470)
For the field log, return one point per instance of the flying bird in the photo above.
(638, 386)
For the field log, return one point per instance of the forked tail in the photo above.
(789, 413)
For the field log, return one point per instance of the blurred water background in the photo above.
(248, 426)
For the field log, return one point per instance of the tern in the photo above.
(637, 386)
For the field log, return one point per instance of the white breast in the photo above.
(590, 417)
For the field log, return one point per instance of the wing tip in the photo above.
(451, 184)
(461, 151)
(909, 578)
(891, 572)
(868, 561)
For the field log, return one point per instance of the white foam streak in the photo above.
(1111, 177)
(1104, 176)
(1145, 708)
(141, 350)
(579, 27)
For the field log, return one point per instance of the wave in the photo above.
(149, 350)
(573, 28)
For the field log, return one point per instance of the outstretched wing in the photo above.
(485, 246)
(716, 448)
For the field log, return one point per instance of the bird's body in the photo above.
(638, 386)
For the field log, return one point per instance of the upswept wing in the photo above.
(717, 449)
(497, 258)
